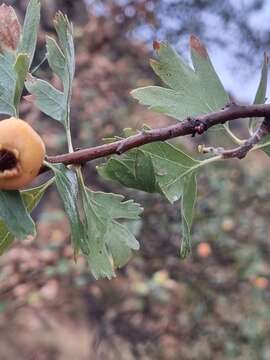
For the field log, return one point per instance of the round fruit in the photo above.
(22, 152)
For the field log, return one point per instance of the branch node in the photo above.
(120, 148)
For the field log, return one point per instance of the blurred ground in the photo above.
(214, 305)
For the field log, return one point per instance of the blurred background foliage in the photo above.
(214, 305)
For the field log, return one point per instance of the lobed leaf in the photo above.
(192, 92)
(164, 169)
(96, 230)
(110, 243)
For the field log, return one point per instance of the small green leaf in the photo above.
(260, 97)
(15, 215)
(48, 99)
(67, 185)
(31, 199)
(21, 68)
(187, 208)
(30, 30)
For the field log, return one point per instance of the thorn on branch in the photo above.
(120, 148)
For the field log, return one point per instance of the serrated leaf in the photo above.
(47, 98)
(31, 198)
(10, 28)
(174, 174)
(187, 207)
(191, 92)
(67, 185)
(21, 67)
(117, 209)
(30, 30)
(15, 215)
(105, 234)
(260, 97)
(99, 233)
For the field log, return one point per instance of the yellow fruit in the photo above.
(22, 152)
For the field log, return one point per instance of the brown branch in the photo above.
(241, 151)
(189, 126)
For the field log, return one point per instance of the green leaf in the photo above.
(187, 208)
(7, 84)
(48, 99)
(21, 68)
(173, 175)
(175, 104)
(260, 97)
(109, 242)
(99, 233)
(192, 92)
(135, 170)
(64, 31)
(15, 215)
(67, 185)
(213, 92)
(30, 30)
(165, 175)
(56, 58)
(31, 198)
(171, 167)
(121, 242)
